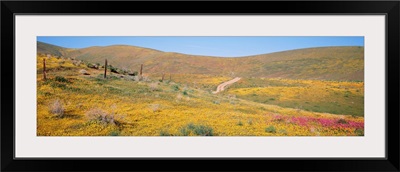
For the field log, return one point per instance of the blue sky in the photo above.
(224, 46)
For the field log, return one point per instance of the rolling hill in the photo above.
(44, 48)
(323, 63)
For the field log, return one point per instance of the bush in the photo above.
(359, 132)
(175, 87)
(114, 133)
(239, 123)
(98, 115)
(133, 73)
(57, 108)
(113, 69)
(270, 129)
(165, 133)
(60, 79)
(342, 121)
(122, 71)
(93, 66)
(197, 130)
(184, 131)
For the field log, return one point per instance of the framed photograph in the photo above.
(110, 85)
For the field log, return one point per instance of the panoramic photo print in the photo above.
(200, 86)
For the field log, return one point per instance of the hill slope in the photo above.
(324, 63)
(44, 48)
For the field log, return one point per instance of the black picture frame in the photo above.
(10, 8)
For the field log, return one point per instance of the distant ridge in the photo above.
(345, 63)
(45, 48)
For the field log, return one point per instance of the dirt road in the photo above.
(221, 87)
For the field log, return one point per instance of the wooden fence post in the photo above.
(44, 69)
(105, 70)
(141, 69)
(162, 79)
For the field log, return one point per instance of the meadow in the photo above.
(76, 100)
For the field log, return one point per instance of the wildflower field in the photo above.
(76, 100)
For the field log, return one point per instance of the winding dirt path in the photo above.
(221, 87)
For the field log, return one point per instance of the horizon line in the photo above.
(200, 54)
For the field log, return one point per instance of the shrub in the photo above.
(133, 73)
(175, 87)
(239, 123)
(270, 129)
(114, 133)
(165, 133)
(112, 68)
(359, 132)
(98, 115)
(60, 79)
(342, 121)
(185, 93)
(197, 130)
(202, 130)
(122, 71)
(184, 131)
(90, 65)
(57, 108)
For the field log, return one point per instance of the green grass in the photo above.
(270, 129)
(333, 97)
(197, 130)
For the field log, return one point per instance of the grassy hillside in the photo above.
(325, 63)
(78, 101)
(310, 95)
(44, 48)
